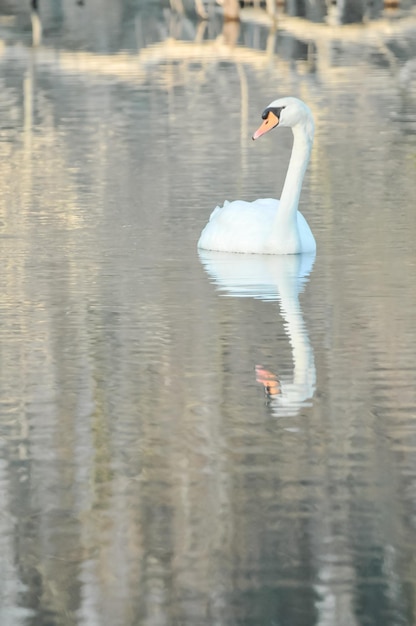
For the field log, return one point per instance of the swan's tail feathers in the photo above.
(218, 208)
(269, 381)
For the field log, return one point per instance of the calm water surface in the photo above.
(199, 439)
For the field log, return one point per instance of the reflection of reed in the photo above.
(320, 43)
(36, 24)
(337, 12)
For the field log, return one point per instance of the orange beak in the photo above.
(269, 380)
(270, 122)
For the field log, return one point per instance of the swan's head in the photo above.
(288, 111)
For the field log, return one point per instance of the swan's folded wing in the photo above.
(239, 226)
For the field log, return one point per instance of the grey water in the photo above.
(196, 438)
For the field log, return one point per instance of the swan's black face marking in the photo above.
(275, 110)
(271, 118)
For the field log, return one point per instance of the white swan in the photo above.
(268, 226)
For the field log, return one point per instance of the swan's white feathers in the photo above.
(237, 226)
(244, 227)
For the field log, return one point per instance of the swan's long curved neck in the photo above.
(285, 224)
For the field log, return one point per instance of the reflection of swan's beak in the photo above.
(270, 122)
(269, 380)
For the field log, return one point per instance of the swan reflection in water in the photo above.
(281, 278)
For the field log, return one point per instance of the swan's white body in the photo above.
(269, 226)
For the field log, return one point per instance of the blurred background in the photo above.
(189, 438)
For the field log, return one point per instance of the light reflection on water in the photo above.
(145, 476)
